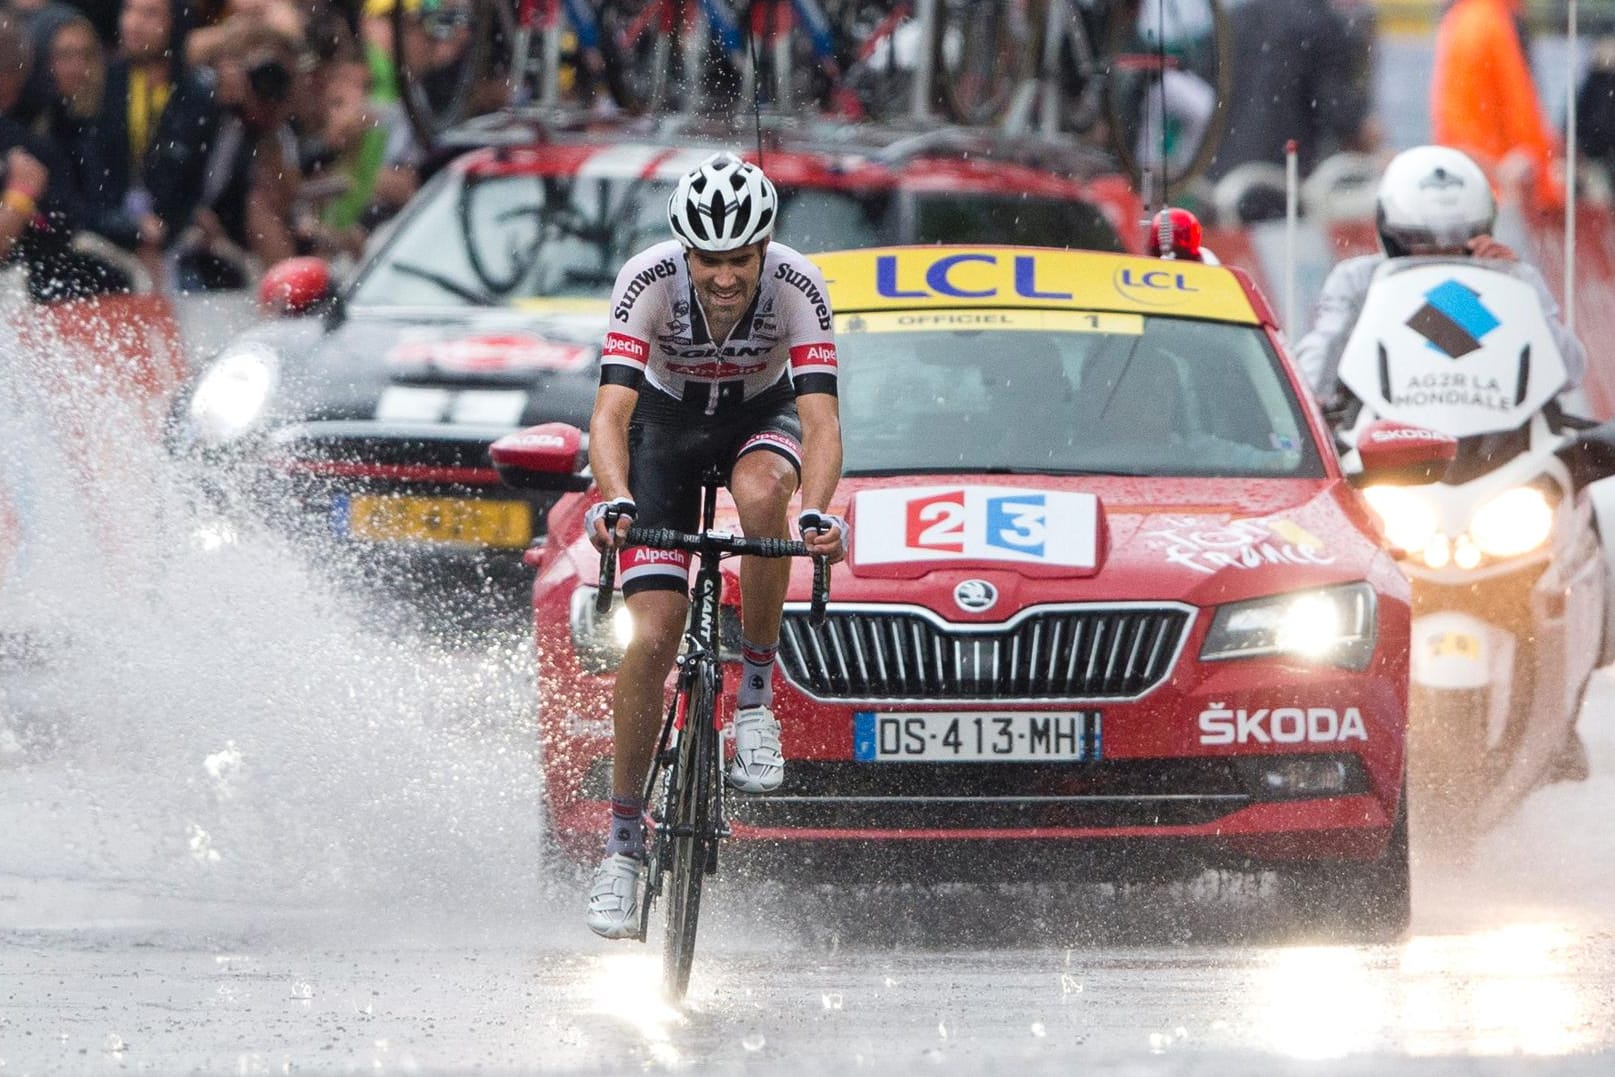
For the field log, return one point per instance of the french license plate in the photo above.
(976, 736)
(454, 520)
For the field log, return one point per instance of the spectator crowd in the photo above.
(184, 144)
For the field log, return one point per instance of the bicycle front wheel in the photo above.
(1168, 76)
(452, 60)
(640, 41)
(693, 837)
(983, 52)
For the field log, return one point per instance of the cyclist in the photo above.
(720, 352)
(1432, 201)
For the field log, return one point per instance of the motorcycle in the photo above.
(1511, 555)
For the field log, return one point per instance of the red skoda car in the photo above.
(1112, 604)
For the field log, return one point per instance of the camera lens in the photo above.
(270, 80)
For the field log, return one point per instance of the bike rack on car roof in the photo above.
(890, 144)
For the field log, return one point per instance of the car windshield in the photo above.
(969, 217)
(495, 239)
(1068, 392)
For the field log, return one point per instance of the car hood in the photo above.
(1202, 540)
(499, 368)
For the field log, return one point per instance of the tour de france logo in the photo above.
(1453, 320)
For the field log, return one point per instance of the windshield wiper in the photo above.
(448, 284)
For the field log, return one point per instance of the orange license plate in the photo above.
(450, 520)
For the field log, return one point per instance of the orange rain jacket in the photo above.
(1482, 99)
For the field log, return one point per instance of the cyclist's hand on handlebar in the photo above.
(824, 534)
(607, 522)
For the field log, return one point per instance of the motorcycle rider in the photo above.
(1433, 201)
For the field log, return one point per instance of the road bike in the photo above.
(455, 59)
(853, 58)
(684, 789)
(1148, 78)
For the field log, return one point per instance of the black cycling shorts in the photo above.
(670, 446)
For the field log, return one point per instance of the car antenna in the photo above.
(756, 95)
(1160, 92)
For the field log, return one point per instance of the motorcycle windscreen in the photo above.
(1453, 346)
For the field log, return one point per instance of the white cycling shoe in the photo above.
(758, 766)
(614, 897)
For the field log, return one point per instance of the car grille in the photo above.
(829, 795)
(885, 653)
(909, 796)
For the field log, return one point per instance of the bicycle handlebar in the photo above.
(719, 542)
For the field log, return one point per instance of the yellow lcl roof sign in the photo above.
(909, 278)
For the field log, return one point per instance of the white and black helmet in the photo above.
(1432, 196)
(722, 205)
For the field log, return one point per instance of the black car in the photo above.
(365, 426)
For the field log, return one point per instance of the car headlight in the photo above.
(1514, 522)
(1406, 515)
(1332, 626)
(232, 394)
(600, 641)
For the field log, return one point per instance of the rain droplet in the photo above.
(1069, 984)
(942, 1029)
(113, 1044)
(754, 1041)
(1038, 1030)
(831, 1000)
(302, 990)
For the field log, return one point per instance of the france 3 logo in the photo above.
(976, 523)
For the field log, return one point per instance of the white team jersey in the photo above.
(658, 330)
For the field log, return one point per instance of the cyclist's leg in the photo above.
(637, 699)
(665, 461)
(664, 481)
(765, 475)
(763, 479)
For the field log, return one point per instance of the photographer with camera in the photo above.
(232, 203)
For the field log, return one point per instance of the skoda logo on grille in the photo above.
(975, 595)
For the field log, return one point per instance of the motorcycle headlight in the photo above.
(1331, 626)
(1406, 515)
(600, 642)
(1512, 523)
(232, 394)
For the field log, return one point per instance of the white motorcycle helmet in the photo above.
(1432, 197)
(722, 205)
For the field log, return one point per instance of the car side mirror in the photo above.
(545, 457)
(1590, 455)
(295, 286)
(1401, 454)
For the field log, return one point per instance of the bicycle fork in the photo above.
(662, 802)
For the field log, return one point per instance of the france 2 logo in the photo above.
(1016, 522)
(976, 523)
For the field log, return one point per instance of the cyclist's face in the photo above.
(726, 281)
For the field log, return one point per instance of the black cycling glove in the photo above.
(611, 511)
(813, 520)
